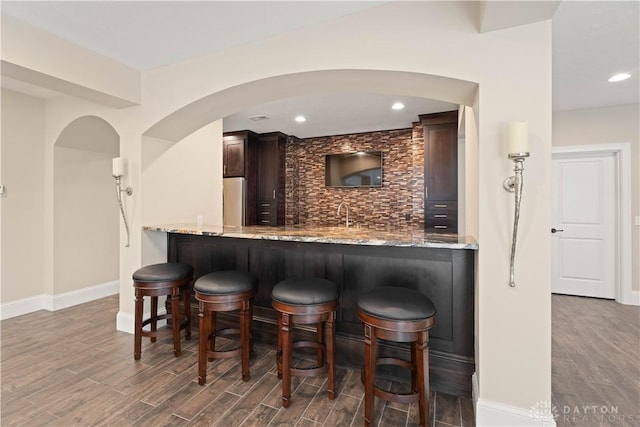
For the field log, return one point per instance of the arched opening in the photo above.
(182, 124)
(85, 215)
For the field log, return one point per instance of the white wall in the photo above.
(86, 239)
(605, 126)
(180, 182)
(23, 204)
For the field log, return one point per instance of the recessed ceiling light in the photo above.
(300, 119)
(619, 77)
(397, 106)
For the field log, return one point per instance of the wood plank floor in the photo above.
(595, 362)
(71, 367)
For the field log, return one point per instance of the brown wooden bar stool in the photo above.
(399, 315)
(310, 301)
(167, 279)
(222, 291)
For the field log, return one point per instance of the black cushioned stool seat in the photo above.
(399, 315)
(223, 291)
(308, 301)
(166, 279)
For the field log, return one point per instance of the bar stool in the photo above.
(305, 302)
(224, 291)
(398, 315)
(167, 279)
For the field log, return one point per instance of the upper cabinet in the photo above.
(237, 156)
(441, 171)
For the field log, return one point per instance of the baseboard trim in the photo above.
(57, 302)
(495, 414)
(80, 296)
(125, 321)
(633, 299)
(21, 306)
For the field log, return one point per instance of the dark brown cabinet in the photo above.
(271, 178)
(239, 160)
(441, 171)
(236, 156)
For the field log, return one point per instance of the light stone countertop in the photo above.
(339, 235)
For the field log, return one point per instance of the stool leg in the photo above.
(251, 326)
(287, 347)
(204, 323)
(175, 320)
(211, 335)
(186, 297)
(330, 341)
(421, 350)
(321, 340)
(279, 348)
(137, 339)
(154, 315)
(245, 321)
(370, 363)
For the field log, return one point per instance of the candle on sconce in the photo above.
(118, 167)
(518, 137)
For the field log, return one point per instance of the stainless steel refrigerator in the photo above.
(234, 201)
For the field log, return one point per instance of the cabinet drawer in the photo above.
(267, 213)
(446, 226)
(441, 216)
(439, 206)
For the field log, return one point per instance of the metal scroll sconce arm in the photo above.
(513, 184)
(119, 191)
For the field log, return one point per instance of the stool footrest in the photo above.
(396, 397)
(308, 344)
(309, 372)
(163, 331)
(395, 362)
(224, 354)
(225, 332)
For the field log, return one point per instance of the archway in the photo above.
(85, 215)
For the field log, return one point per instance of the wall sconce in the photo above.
(117, 172)
(518, 151)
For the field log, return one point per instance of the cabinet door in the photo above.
(268, 157)
(233, 157)
(441, 162)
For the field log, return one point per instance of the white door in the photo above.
(583, 230)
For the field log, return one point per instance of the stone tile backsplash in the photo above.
(398, 204)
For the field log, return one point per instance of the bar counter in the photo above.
(341, 235)
(440, 266)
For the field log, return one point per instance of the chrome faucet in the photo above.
(347, 207)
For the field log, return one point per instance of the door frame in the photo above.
(622, 153)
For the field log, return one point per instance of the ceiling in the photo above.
(591, 41)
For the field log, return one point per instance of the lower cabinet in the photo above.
(441, 217)
(444, 275)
